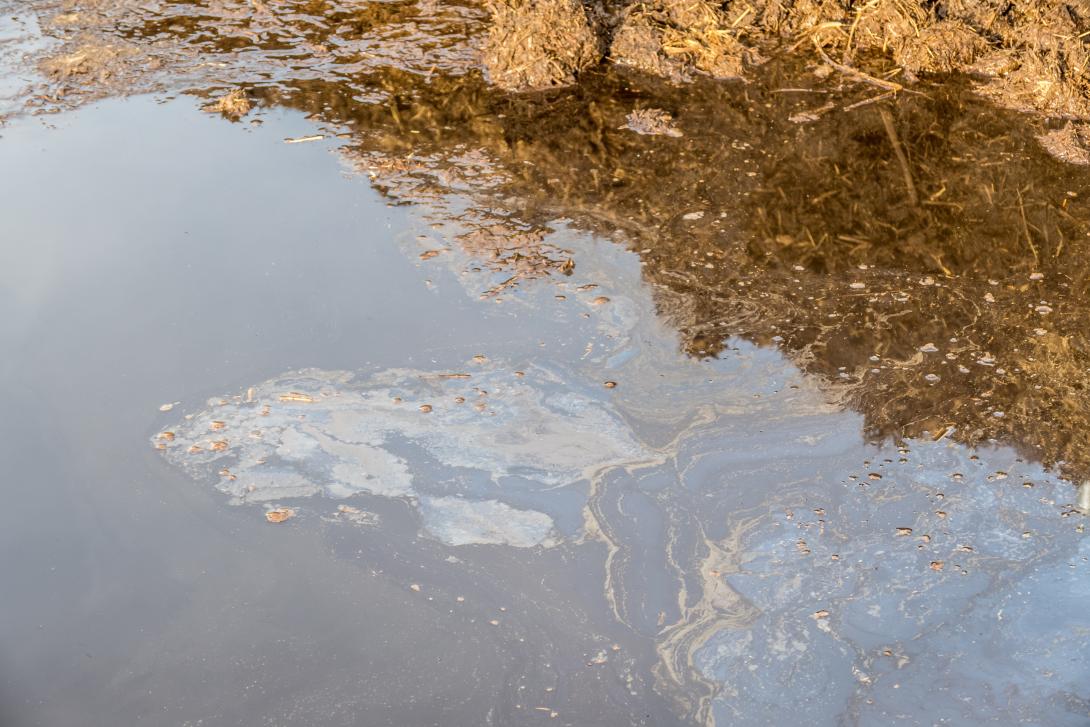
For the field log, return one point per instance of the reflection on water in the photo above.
(797, 245)
(780, 566)
(959, 311)
(922, 253)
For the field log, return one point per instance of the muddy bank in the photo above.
(1025, 54)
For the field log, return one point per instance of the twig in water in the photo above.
(1025, 228)
(857, 74)
(887, 121)
(304, 139)
(868, 101)
(497, 289)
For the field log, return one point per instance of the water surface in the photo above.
(711, 540)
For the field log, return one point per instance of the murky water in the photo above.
(135, 592)
(665, 547)
(855, 231)
(387, 428)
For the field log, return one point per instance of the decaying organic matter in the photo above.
(538, 44)
(232, 105)
(1026, 54)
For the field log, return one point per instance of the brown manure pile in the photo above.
(1027, 54)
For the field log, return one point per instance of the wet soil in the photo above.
(784, 384)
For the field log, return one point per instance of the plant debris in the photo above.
(279, 515)
(233, 105)
(652, 122)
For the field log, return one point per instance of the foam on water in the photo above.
(451, 443)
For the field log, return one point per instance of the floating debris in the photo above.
(297, 397)
(652, 122)
(233, 105)
(537, 429)
(279, 515)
